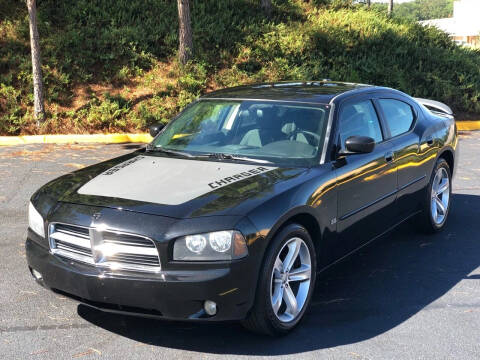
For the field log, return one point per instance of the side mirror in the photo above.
(155, 129)
(359, 144)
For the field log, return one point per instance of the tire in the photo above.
(276, 283)
(428, 222)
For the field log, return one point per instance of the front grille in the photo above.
(105, 248)
(148, 260)
(73, 230)
(126, 239)
(71, 242)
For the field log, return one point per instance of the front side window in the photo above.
(398, 114)
(359, 119)
(279, 132)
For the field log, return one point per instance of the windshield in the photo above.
(279, 132)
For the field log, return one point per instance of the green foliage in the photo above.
(11, 114)
(334, 4)
(419, 9)
(193, 78)
(424, 9)
(151, 112)
(106, 114)
(109, 35)
(133, 43)
(362, 46)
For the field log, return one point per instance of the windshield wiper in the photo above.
(218, 156)
(221, 156)
(168, 151)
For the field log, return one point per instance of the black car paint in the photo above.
(345, 202)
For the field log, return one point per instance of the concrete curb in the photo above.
(468, 125)
(72, 139)
(129, 138)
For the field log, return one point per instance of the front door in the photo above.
(366, 183)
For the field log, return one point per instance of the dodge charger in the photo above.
(242, 199)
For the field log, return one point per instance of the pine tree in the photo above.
(185, 49)
(38, 97)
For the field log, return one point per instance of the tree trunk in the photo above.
(185, 49)
(267, 6)
(39, 109)
(390, 8)
(369, 3)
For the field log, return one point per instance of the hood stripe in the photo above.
(167, 181)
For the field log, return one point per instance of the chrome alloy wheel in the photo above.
(290, 280)
(440, 196)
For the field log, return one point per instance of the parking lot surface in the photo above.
(407, 296)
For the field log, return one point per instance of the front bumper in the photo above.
(173, 294)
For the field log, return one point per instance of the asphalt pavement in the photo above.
(407, 296)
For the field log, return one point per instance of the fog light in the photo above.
(36, 274)
(210, 307)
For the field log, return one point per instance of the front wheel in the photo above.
(286, 283)
(436, 204)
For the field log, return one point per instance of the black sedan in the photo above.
(242, 199)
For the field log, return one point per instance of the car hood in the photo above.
(175, 187)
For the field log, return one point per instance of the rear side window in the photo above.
(359, 119)
(399, 115)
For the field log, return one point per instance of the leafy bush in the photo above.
(362, 46)
(420, 9)
(11, 113)
(103, 115)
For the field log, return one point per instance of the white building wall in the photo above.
(464, 26)
(467, 17)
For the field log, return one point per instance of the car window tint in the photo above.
(359, 119)
(398, 114)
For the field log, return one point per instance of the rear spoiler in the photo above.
(437, 105)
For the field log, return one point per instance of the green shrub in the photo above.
(106, 114)
(193, 78)
(11, 113)
(364, 46)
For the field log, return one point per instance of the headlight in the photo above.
(214, 246)
(35, 220)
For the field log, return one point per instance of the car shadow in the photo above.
(374, 291)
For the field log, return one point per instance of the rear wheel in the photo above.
(436, 205)
(286, 283)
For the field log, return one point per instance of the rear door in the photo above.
(411, 150)
(366, 183)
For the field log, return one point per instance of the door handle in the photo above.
(389, 156)
(430, 141)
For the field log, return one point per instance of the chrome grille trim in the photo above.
(103, 247)
(70, 242)
(75, 240)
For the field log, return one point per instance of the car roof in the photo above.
(321, 92)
